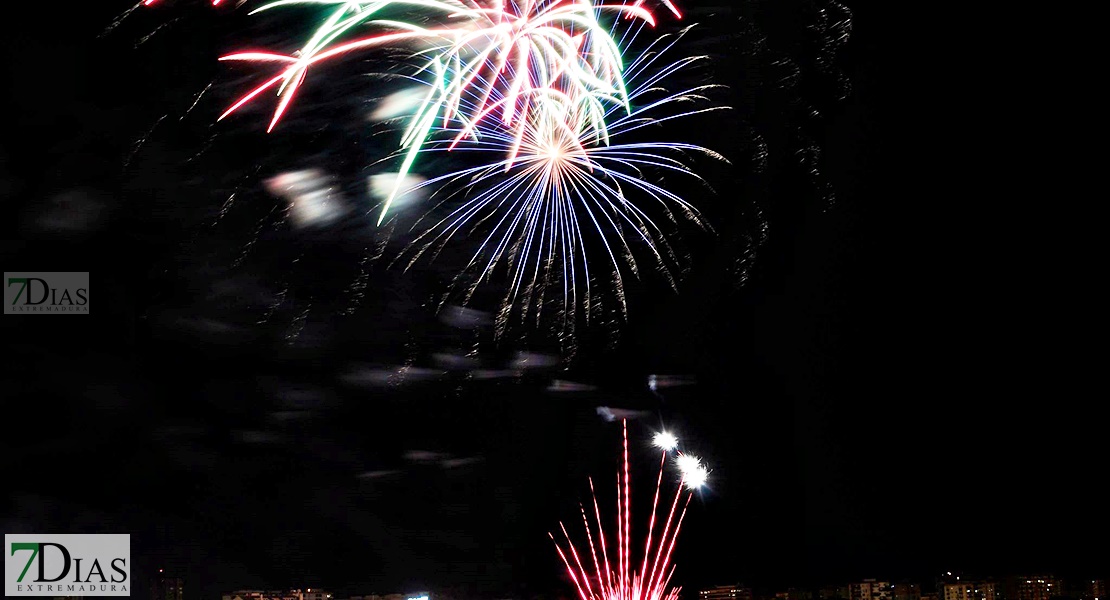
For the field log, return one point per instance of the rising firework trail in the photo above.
(628, 583)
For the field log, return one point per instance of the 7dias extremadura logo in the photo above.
(46, 293)
(67, 565)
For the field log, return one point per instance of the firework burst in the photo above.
(605, 568)
(514, 52)
(566, 194)
(555, 208)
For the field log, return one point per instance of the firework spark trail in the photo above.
(601, 536)
(666, 529)
(654, 505)
(120, 19)
(626, 583)
(196, 101)
(627, 513)
(674, 538)
(138, 144)
(578, 562)
(570, 570)
(147, 37)
(620, 541)
(593, 549)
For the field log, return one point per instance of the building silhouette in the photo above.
(726, 592)
(1035, 587)
(871, 589)
(907, 591)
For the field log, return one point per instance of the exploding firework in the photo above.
(556, 208)
(605, 569)
(485, 62)
(572, 194)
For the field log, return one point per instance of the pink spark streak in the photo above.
(626, 583)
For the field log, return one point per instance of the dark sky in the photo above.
(901, 378)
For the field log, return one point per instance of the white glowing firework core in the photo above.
(665, 441)
(696, 478)
(687, 464)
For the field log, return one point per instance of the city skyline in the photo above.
(942, 586)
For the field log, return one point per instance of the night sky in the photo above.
(892, 328)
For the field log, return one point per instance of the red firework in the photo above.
(625, 582)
